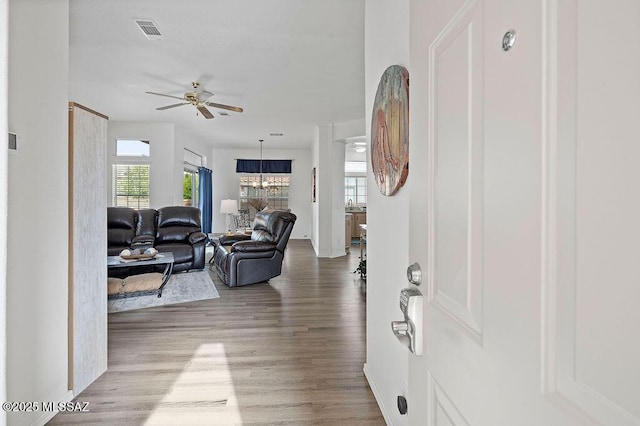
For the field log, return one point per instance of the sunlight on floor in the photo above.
(203, 393)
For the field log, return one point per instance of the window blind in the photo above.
(131, 185)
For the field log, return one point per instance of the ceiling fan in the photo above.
(197, 98)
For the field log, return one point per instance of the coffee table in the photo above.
(114, 262)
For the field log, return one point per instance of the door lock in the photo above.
(414, 274)
(409, 331)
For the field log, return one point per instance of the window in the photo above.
(190, 188)
(132, 148)
(355, 190)
(190, 178)
(131, 185)
(130, 173)
(276, 192)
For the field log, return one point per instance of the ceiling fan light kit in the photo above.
(198, 100)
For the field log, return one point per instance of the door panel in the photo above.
(593, 231)
(456, 166)
(442, 410)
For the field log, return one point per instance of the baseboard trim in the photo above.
(377, 395)
(48, 415)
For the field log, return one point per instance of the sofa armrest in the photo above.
(227, 240)
(252, 246)
(197, 237)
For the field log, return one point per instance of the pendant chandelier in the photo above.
(263, 183)
(259, 202)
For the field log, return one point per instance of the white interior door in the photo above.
(529, 247)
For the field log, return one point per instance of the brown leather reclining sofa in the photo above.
(174, 229)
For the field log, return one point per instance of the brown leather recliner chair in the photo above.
(178, 231)
(259, 257)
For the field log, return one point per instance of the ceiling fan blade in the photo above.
(172, 106)
(205, 94)
(222, 106)
(167, 96)
(204, 111)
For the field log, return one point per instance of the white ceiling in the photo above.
(291, 64)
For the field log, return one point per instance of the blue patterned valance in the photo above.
(268, 166)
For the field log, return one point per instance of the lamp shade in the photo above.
(229, 206)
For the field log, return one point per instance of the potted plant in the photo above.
(362, 269)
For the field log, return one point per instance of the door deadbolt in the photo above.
(414, 274)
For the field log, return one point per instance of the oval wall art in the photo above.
(390, 130)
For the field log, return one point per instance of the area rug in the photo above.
(181, 288)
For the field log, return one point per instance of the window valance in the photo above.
(268, 166)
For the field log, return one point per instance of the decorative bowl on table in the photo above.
(137, 254)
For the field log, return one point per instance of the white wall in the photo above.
(337, 199)
(387, 219)
(323, 216)
(167, 144)
(37, 258)
(328, 156)
(166, 169)
(351, 155)
(315, 206)
(348, 129)
(226, 183)
(4, 77)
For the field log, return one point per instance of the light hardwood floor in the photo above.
(287, 352)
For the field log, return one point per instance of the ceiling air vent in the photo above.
(149, 28)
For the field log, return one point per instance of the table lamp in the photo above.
(230, 207)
